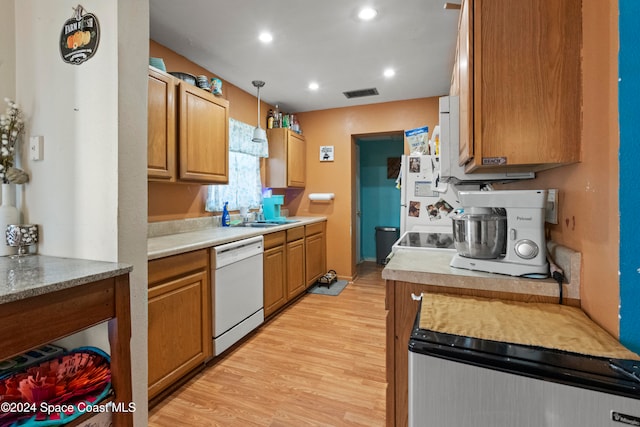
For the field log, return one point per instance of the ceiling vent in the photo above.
(360, 93)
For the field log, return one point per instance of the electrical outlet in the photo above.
(551, 211)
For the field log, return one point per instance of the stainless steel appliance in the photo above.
(502, 232)
(464, 381)
(238, 291)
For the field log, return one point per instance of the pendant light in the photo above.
(259, 134)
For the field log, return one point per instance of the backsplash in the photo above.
(164, 228)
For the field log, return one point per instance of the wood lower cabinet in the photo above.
(286, 165)
(179, 313)
(188, 132)
(275, 272)
(289, 256)
(295, 262)
(315, 252)
(518, 77)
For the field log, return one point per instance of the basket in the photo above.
(72, 381)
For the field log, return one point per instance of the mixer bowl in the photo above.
(480, 236)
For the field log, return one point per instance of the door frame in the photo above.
(356, 201)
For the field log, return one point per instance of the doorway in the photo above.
(377, 198)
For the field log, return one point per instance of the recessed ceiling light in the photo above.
(389, 72)
(367, 13)
(314, 86)
(265, 37)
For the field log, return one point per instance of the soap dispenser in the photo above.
(226, 220)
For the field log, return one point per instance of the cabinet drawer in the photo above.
(274, 239)
(295, 234)
(177, 265)
(312, 229)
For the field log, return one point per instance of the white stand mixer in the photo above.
(526, 251)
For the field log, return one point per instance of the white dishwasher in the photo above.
(237, 296)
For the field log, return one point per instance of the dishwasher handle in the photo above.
(230, 253)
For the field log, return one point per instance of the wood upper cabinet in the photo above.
(179, 316)
(519, 77)
(188, 136)
(286, 165)
(161, 142)
(275, 272)
(204, 136)
(315, 252)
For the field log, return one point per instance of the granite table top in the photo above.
(35, 275)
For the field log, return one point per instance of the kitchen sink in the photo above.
(271, 223)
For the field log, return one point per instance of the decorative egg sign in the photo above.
(79, 37)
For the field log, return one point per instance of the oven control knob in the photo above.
(526, 249)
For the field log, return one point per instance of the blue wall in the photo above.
(628, 89)
(379, 197)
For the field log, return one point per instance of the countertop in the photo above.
(431, 267)
(181, 242)
(35, 275)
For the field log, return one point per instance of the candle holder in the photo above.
(21, 236)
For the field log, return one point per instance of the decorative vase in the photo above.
(9, 214)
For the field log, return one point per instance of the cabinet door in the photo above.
(178, 338)
(316, 263)
(403, 312)
(161, 142)
(526, 84)
(204, 136)
(465, 80)
(296, 160)
(275, 266)
(295, 268)
(286, 165)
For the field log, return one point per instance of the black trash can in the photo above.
(385, 238)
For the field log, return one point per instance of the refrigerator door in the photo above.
(422, 208)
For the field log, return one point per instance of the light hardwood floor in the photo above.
(320, 362)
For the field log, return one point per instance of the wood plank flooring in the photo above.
(320, 362)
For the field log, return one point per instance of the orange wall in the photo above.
(337, 127)
(169, 201)
(588, 205)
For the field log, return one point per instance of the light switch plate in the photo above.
(36, 146)
(551, 211)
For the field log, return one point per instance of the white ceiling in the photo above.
(319, 40)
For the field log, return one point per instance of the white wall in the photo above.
(88, 194)
(73, 192)
(7, 52)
